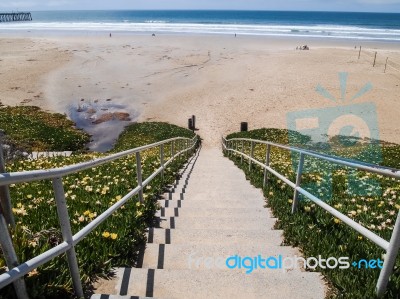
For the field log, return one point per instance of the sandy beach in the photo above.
(222, 80)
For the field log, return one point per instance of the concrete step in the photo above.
(191, 190)
(209, 256)
(204, 194)
(254, 212)
(245, 203)
(198, 284)
(263, 235)
(243, 223)
(213, 214)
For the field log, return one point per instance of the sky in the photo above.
(313, 5)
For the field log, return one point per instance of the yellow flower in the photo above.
(34, 272)
(106, 234)
(114, 236)
(92, 215)
(32, 243)
(86, 213)
(307, 209)
(337, 221)
(359, 237)
(118, 197)
(20, 211)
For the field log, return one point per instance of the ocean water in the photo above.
(342, 25)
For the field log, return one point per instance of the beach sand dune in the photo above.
(221, 79)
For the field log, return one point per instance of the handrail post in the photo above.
(236, 147)
(242, 150)
(5, 198)
(251, 154)
(298, 182)
(172, 149)
(267, 158)
(162, 161)
(11, 258)
(390, 259)
(139, 175)
(63, 218)
(179, 149)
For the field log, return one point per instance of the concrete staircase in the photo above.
(212, 213)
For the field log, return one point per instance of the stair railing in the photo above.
(237, 145)
(178, 146)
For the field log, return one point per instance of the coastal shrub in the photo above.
(116, 242)
(317, 232)
(31, 129)
(148, 132)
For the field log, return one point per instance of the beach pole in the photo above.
(190, 124)
(386, 64)
(374, 59)
(194, 122)
(359, 53)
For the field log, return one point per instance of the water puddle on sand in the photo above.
(103, 120)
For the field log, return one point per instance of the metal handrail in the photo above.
(36, 175)
(392, 247)
(386, 171)
(16, 272)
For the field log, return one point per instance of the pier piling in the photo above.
(15, 17)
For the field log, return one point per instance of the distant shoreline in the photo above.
(297, 24)
(316, 42)
(47, 32)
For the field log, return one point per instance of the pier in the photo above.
(15, 17)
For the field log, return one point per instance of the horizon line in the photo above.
(197, 9)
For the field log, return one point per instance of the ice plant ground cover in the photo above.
(315, 231)
(88, 193)
(32, 129)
